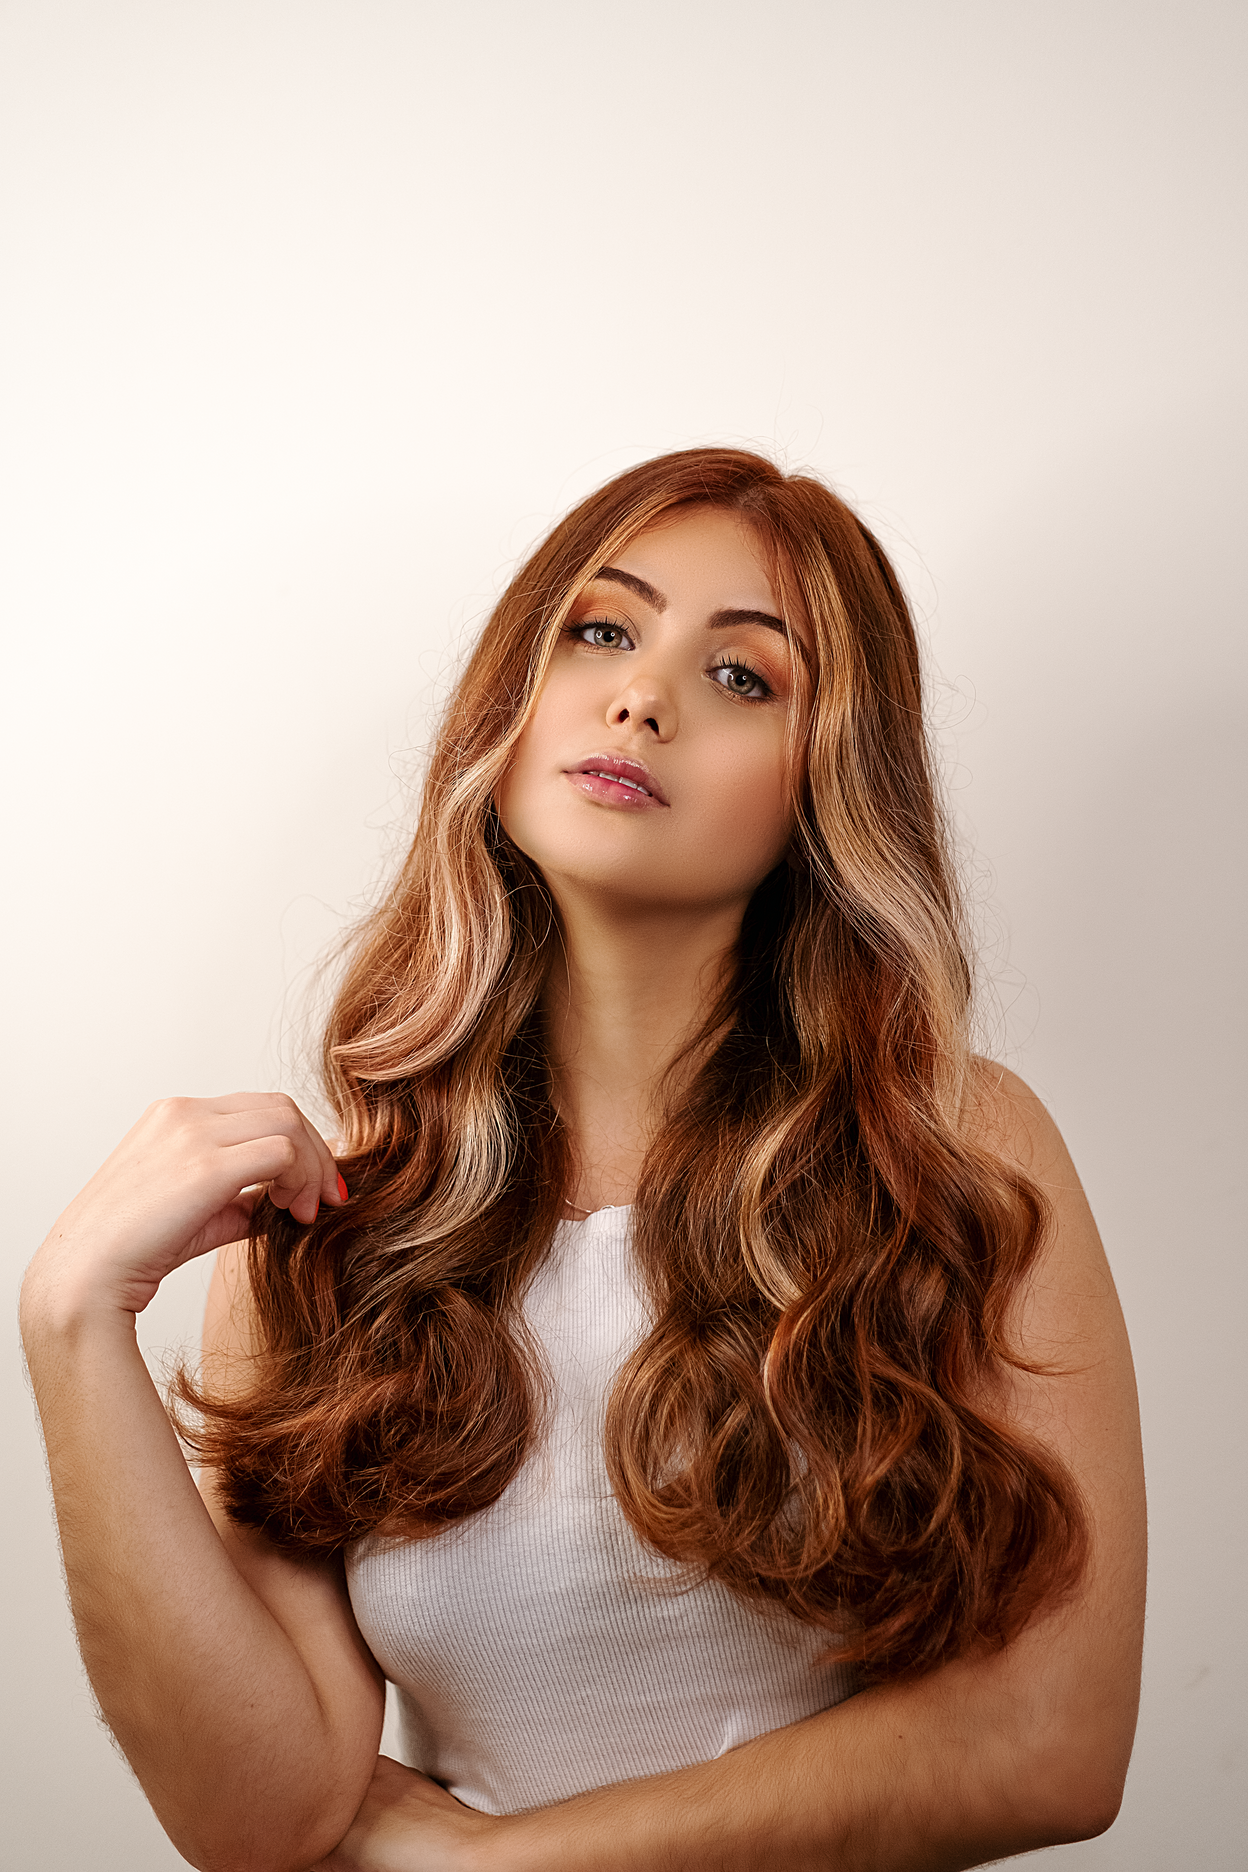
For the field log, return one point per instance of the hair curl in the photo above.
(829, 1254)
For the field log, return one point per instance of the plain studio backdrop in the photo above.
(318, 313)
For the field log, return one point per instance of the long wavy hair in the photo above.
(829, 1253)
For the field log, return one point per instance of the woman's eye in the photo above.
(601, 634)
(739, 680)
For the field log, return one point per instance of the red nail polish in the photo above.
(342, 1189)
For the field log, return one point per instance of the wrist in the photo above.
(521, 1842)
(61, 1303)
(493, 1851)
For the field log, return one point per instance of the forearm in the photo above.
(205, 1692)
(952, 1772)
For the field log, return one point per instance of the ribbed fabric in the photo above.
(539, 1648)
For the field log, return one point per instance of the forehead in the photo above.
(703, 551)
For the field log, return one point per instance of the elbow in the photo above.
(216, 1859)
(299, 1850)
(1074, 1787)
(1083, 1812)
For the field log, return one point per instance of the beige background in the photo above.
(317, 314)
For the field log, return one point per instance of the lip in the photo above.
(616, 781)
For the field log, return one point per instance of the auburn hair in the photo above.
(830, 1254)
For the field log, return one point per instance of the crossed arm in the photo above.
(241, 1691)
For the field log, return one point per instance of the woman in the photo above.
(705, 1336)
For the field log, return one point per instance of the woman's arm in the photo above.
(987, 1757)
(234, 1680)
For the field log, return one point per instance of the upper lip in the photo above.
(618, 767)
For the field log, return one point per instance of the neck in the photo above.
(624, 998)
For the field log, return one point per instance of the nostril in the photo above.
(623, 715)
(651, 723)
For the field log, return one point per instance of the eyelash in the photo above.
(575, 631)
(731, 663)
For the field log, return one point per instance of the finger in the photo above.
(312, 1178)
(298, 1188)
(302, 1182)
(322, 1182)
(275, 1163)
(333, 1188)
(248, 1101)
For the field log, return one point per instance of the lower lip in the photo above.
(611, 793)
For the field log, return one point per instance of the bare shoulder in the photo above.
(230, 1347)
(230, 1339)
(1004, 1115)
(1002, 1112)
(1066, 1317)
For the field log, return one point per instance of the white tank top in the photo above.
(539, 1648)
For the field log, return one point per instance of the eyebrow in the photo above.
(653, 598)
(718, 620)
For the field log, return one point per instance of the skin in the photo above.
(651, 895)
(177, 1610)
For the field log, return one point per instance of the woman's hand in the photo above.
(407, 1823)
(182, 1182)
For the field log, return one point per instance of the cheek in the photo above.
(518, 795)
(545, 732)
(513, 792)
(748, 810)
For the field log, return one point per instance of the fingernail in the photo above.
(342, 1189)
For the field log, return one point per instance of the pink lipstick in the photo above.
(617, 781)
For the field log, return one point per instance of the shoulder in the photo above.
(230, 1340)
(1064, 1319)
(1002, 1114)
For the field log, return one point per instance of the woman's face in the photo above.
(652, 769)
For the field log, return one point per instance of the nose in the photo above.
(644, 701)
